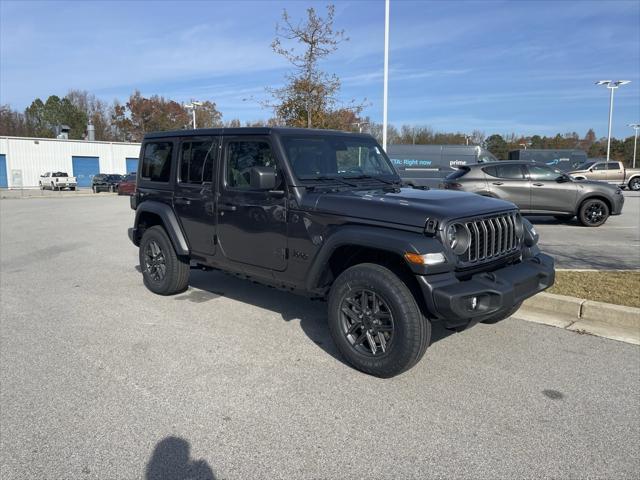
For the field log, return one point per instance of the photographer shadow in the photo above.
(171, 461)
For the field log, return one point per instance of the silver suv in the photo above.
(540, 190)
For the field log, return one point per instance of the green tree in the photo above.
(498, 146)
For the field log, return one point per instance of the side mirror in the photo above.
(263, 178)
(591, 169)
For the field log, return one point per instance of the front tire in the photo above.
(376, 322)
(163, 271)
(634, 184)
(593, 212)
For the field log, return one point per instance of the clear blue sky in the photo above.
(501, 67)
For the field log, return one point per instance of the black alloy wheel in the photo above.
(367, 322)
(593, 213)
(154, 261)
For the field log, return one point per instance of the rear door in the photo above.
(549, 195)
(194, 193)
(615, 173)
(252, 226)
(509, 182)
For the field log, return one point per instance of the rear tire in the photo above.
(163, 271)
(389, 316)
(593, 212)
(634, 184)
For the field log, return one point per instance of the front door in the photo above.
(598, 172)
(194, 194)
(509, 182)
(252, 226)
(547, 194)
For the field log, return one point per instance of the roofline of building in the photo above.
(67, 140)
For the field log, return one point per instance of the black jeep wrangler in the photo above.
(323, 213)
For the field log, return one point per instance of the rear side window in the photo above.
(197, 161)
(156, 162)
(513, 172)
(458, 173)
(615, 166)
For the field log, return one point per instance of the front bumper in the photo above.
(618, 202)
(487, 294)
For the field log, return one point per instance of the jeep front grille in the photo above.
(492, 238)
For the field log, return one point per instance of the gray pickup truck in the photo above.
(611, 172)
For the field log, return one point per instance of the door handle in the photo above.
(538, 184)
(227, 207)
(497, 183)
(182, 201)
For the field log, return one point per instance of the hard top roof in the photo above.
(249, 131)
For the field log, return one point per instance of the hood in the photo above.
(595, 184)
(406, 206)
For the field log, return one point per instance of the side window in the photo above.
(241, 156)
(156, 162)
(197, 161)
(542, 173)
(512, 172)
(600, 166)
(615, 166)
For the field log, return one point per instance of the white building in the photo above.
(23, 160)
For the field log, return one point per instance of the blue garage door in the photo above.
(84, 168)
(3, 171)
(132, 165)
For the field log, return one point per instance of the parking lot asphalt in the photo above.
(101, 379)
(615, 245)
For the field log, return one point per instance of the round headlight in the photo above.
(458, 238)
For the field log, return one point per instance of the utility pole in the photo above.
(611, 85)
(386, 75)
(636, 127)
(192, 106)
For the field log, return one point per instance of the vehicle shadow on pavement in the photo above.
(312, 314)
(171, 461)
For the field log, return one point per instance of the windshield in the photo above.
(114, 177)
(585, 165)
(338, 156)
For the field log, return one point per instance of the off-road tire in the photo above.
(634, 184)
(499, 318)
(411, 330)
(583, 213)
(564, 218)
(176, 277)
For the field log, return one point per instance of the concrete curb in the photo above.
(616, 322)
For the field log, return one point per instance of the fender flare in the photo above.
(394, 241)
(169, 222)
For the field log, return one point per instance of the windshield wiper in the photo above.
(367, 177)
(323, 178)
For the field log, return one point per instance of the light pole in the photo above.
(611, 85)
(386, 75)
(192, 106)
(636, 127)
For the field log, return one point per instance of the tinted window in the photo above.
(537, 172)
(197, 161)
(615, 166)
(600, 166)
(244, 155)
(156, 163)
(513, 172)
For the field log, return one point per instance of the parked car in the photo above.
(127, 186)
(57, 181)
(105, 182)
(611, 172)
(540, 190)
(323, 213)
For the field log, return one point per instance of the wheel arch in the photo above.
(594, 196)
(150, 213)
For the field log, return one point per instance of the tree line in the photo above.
(310, 97)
